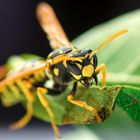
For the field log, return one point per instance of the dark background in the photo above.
(21, 33)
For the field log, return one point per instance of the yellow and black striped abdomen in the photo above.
(12, 91)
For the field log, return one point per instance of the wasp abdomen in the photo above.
(12, 91)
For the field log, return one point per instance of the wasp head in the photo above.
(83, 71)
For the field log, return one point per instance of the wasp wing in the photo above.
(3, 71)
(52, 26)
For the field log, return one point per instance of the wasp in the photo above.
(66, 64)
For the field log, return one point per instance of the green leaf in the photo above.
(67, 113)
(129, 100)
(118, 127)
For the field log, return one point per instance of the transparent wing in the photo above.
(51, 26)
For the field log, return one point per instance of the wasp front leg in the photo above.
(102, 68)
(71, 99)
(30, 98)
(40, 93)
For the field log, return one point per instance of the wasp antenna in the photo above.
(108, 40)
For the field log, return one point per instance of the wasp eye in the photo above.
(94, 61)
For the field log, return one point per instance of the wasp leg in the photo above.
(71, 99)
(102, 68)
(27, 117)
(40, 93)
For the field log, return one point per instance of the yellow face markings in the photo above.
(82, 81)
(91, 61)
(80, 66)
(77, 77)
(87, 71)
(56, 71)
